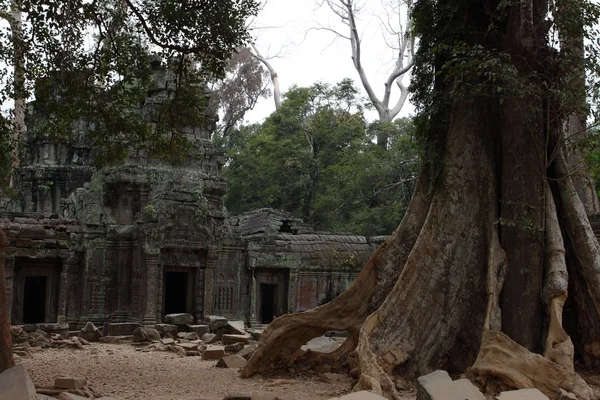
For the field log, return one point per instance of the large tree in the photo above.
(495, 239)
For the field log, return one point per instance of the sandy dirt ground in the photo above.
(120, 371)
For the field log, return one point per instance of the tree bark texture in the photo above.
(6, 354)
(478, 273)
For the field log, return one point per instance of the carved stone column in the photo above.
(253, 321)
(292, 287)
(9, 271)
(63, 287)
(151, 257)
(209, 280)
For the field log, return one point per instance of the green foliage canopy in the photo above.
(316, 158)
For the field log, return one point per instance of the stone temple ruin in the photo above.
(137, 241)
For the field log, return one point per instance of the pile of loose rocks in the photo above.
(217, 339)
(26, 343)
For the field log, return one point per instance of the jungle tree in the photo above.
(495, 239)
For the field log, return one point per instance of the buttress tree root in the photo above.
(432, 296)
(6, 354)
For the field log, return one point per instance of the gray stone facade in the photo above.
(140, 240)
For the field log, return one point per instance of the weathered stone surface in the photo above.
(231, 339)
(110, 339)
(213, 353)
(216, 322)
(191, 336)
(60, 328)
(209, 338)
(15, 384)
(70, 383)
(189, 346)
(122, 328)
(90, 333)
(439, 386)
(562, 394)
(234, 348)
(236, 327)
(165, 329)
(199, 329)
(523, 394)
(167, 341)
(362, 395)
(232, 361)
(252, 396)
(44, 397)
(247, 351)
(321, 344)
(179, 319)
(143, 334)
(255, 333)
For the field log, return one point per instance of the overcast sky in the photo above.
(309, 55)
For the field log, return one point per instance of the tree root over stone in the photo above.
(429, 297)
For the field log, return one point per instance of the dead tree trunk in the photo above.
(6, 354)
(477, 273)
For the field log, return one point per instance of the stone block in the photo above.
(234, 348)
(216, 322)
(231, 339)
(69, 383)
(439, 386)
(15, 384)
(252, 396)
(199, 329)
(362, 395)
(122, 328)
(247, 351)
(523, 394)
(163, 329)
(143, 334)
(179, 319)
(209, 338)
(236, 327)
(167, 341)
(191, 336)
(213, 353)
(255, 333)
(233, 361)
(90, 333)
(189, 346)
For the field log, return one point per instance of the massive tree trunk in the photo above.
(494, 243)
(6, 355)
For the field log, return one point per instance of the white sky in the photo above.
(315, 55)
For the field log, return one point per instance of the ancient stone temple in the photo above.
(143, 239)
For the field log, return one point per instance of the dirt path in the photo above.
(120, 371)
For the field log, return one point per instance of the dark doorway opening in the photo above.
(176, 292)
(268, 302)
(34, 299)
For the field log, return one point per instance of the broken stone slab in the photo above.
(167, 341)
(90, 333)
(255, 333)
(232, 361)
(209, 338)
(165, 329)
(70, 383)
(236, 327)
(252, 396)
(199, 329)
(190, 336)
(60, 328)
(439, 386)
(234, 348)
(179, 319)
(122, 328)
(523, 394)
(562, 394)
(247, 351)
(16, 384)
(189, 346)
(111, 339)
(143, 334)
(216, 322)
(362, 395)
(43, 333)
(213, 353)
(231, 339)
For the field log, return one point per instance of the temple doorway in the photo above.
(35, 298)
(34, 301)
(268, 302)
(178, 291)
(271, 294)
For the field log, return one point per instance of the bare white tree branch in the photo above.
(273, 74)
